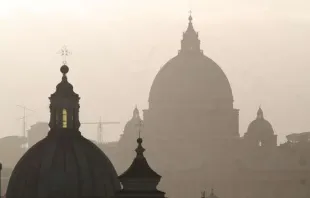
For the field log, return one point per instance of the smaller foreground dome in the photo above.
(64, 164)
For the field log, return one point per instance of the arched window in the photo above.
(64, 118)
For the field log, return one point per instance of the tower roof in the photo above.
(140, 167)
(140, 177)
(190, 27)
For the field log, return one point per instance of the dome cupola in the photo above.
(190, 41)
(64, 106)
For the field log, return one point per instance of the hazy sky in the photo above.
(118, 46)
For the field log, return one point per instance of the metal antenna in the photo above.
(100, 131)
(24, 118)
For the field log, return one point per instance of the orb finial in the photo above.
(64, 69)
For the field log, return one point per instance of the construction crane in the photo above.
(25, 109)
(99, 129)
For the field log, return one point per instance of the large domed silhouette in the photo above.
(190, 108)
(191, 78)
(64, 164)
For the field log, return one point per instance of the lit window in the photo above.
(64, 118)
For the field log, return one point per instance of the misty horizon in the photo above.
(118, 50)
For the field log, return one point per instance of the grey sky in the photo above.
(118, 46)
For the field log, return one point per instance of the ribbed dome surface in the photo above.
(64, 164)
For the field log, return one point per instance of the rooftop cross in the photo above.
(64, 52)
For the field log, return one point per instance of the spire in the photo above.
(140, 176)
(260, 114)
(190, 41)
(190, 27)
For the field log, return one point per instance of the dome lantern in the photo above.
(190, 41)
(64, 105)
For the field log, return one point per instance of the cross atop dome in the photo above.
(64, 52)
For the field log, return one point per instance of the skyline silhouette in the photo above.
(263, 54)
(212, 107)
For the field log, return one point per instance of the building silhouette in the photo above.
(139, 180)
(191, 130)
(37, 132)
(64, 163)
(13, 144)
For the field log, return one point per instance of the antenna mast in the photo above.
(99, 132)
(24, 133)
